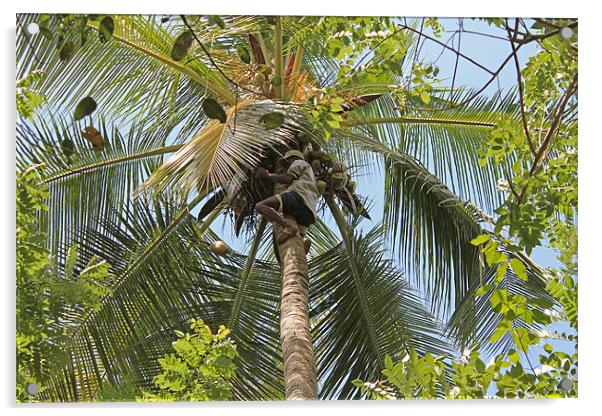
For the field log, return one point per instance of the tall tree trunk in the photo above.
(295, 339)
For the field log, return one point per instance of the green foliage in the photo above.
(435, 26)
(367, 51)
(201, 369)
(324, 113)
(29, 99)
(430, 377)
(46, 300)
(540, 184)
(423, 76)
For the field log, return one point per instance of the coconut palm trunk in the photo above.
(295, 338)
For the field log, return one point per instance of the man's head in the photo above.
(293, 155)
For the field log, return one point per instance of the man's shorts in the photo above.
(291, 203)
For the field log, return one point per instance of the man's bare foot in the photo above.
(306, 245)
(290, 231)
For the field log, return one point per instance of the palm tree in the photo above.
(130, 200)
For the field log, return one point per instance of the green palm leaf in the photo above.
(87, 184)
(362, 309)
(206, 161)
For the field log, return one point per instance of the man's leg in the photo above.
(269, 208)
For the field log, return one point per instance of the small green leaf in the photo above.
(388, 362)
(503, 327)
(425, 97)
(501, 272)
(272, 120)
(106, 28)
(334, 124)
(84, 108)
(276, 81)
(213, 110)
(521, 339)
(514, 356)
(357, 383)
(499, 301)
(480, 239)
(181, 46)
(497, 334)
(494, 256)
(216, 20)
(519, 269)
(244, 55)
(67, 51)
(483, 289)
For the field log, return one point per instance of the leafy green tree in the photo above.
(201, 369)
(224, 96)
(46, 297)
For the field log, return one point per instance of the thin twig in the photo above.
(420, 34)
(557, 118)
(472, 32)
(555, 123)
(512, 188)
(457, 60)
(521, 94)
(545, 35)
(468, 58)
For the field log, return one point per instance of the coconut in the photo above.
(264, 69)
(321, 186)
(316, 165)
(219, 247)
(351, 186)
(302, 137)
(259, 79)
(316, 154)
(339, 167)
(338, 180)
(326, 160)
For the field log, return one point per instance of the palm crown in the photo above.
(187, 101)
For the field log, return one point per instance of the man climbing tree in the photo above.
(299, 200)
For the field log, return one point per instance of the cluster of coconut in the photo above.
(331, 175)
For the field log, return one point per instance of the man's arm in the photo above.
(285, 179)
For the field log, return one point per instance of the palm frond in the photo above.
(363, 309)
(207, 161)
(429, 226)
(131, 77)
(85, 183)
(447, 142)
(475, 321)
(155, 294)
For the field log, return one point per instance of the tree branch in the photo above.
(549, 136)
(468, 58)
(521, 94)
(555, 123)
